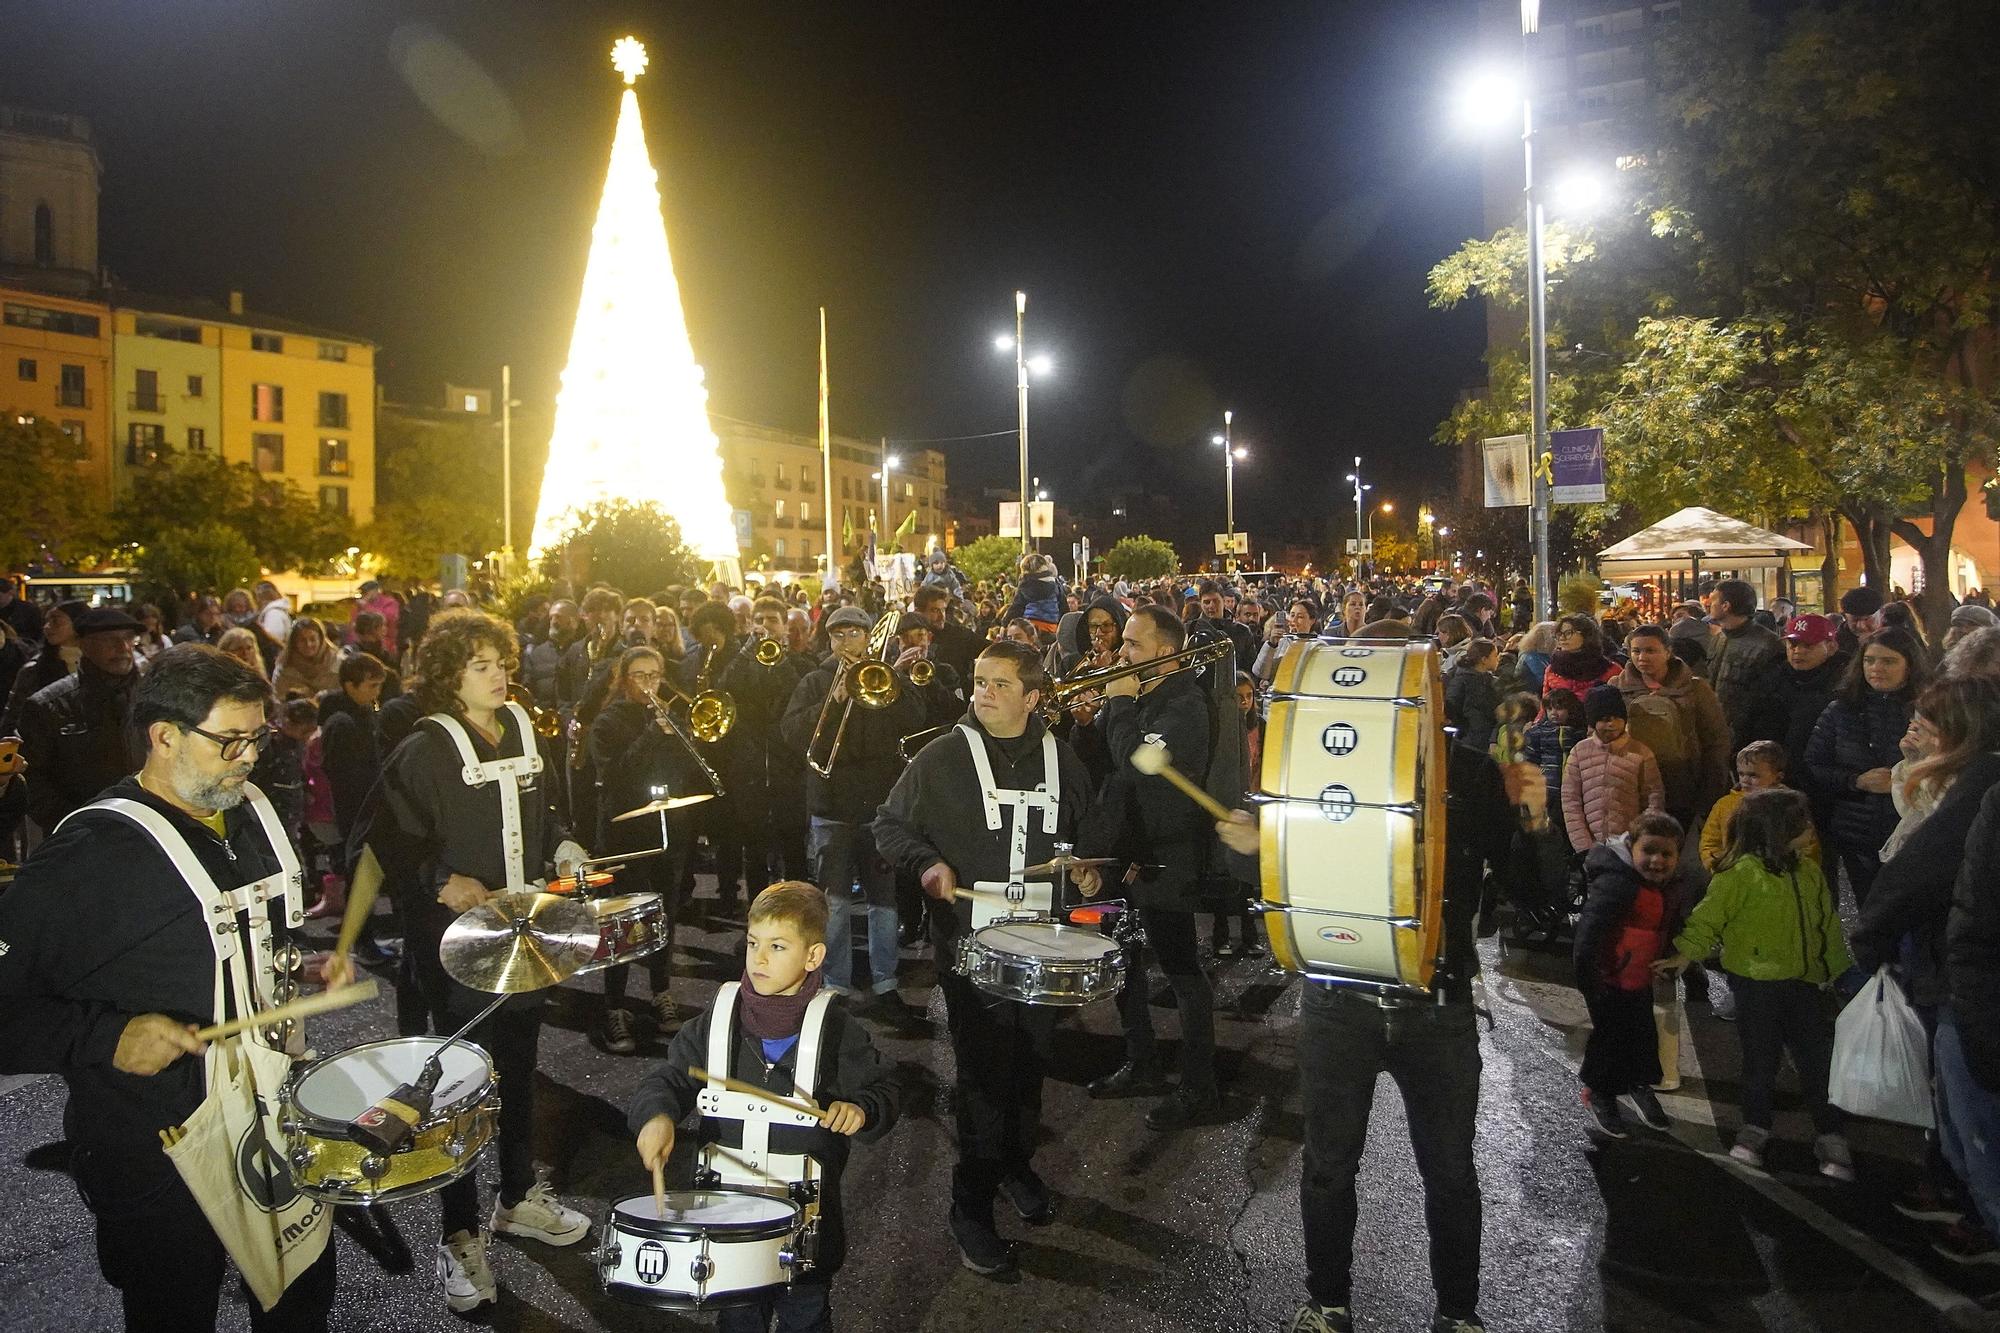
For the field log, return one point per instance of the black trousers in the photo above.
(769, 831)
(1432, 1051)
(1623, 1050)
(661, 875)
(1172, 936)
(801, 1307)
(168, 1266)
(1001, 1048)
(1778, 1016)
(510, 1036)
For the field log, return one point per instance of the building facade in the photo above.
(774, 480)
(55, 364)
(166, 395)
(49, 175)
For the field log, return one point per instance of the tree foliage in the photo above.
(282, 526)
(987, 558)
(1140, 558)
(47, 516)
(207, 556)
(421, 513)
(633, 547)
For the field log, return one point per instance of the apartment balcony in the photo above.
(141, 401)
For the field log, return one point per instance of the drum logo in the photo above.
(651, 1263)
(1337, 803)
(1339, 935)
(261, 1172)
(1349, 675)
(1357, 652)
(1339, 738)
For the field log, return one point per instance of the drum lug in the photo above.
(300, 1158)
(454, 1147)
(607, 1252)
(374, 1166)
(701, 1269)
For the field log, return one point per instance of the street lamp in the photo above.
(1230, 453)
(1359, 487)
(1023, 363)
(889, 462)
(1386, 507)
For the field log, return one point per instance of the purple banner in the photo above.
(1577, 466)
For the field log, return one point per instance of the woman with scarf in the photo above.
(309, 665)
(1579, 663)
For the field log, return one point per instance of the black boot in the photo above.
(1134, 1078)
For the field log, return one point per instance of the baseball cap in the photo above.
(1810, 629)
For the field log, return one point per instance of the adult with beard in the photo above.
(1814, 663)
(75, 733)
(110, 967)
(977, 806)
(951, 643)
(1748, 665)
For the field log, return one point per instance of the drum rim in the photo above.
(1062, 928)
(634, 902)
(310, 1118)
(667, 1300)
(723, 1233)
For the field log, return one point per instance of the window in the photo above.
(24, 369)
(197, 440)
(472, 402)
(45, 237)
(333, 457)
(781, 509)
(48, 320)
(805, 512)
(847, 488)
(781, 548)
(266, 342)
(333, 351)
(268, 452)
(267, 402)
(146, 391)
(148, 326)
(194, 386)
(333, 410)
(909, 489)
(70, 392)
(74, 430)
(143, 442)
(333, 499)
(805, 548)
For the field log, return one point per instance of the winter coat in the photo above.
(1748, 670)
(77, 738)
(1533, 667)
(871, 756)
(1604, 790)
(1911, 897)
(1577, 672)
(1626, 922)
(44, 669)
(1471, 700)
(1770, 925)
(1851, 739)
(1681, 722)
(1805, 697)
(1547, 745)
(1039, 599)
(1972, 946)
(307, 677)
(1715, 834)
(1144, 817)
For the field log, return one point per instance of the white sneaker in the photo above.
(541, 1217)
(461, 1265)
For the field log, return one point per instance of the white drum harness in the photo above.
(754, 1165)
(1046, 797)
(509, 773)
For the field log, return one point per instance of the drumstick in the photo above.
(1152, 758)
(360, 901)
(700, 1075)
(971, 894)
(660, 1191)
(303, 1007)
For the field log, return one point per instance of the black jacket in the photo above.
(76, 737)
(1471, 703)
(42, 670)
(350, 747)
(1851, 739)
(1807, 693)
(1912, 895)
(1748, 670)
(871, 755)
(633, 757)
(956, 646)
(1146, 818)
(99, 927)
(1972, 946)
(850, 1070)
(1614, 886)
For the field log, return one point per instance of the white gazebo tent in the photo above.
(1682, 547)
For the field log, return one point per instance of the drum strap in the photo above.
(1047, 796)
(754, 1165)
(507, 772)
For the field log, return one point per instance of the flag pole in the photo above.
(832, 579)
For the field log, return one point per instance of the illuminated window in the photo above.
(333, 457)
(805, 512)
(333, 499)
(267, 402)
(197, 440)
(472, 402)
(143, 443)
(781, 548)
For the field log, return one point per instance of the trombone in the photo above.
(711, 713)
(1072, 691)
(869, 682)
(769, 652)
(663, 716)
(547, 722)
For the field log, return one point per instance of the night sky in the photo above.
(1223, 205)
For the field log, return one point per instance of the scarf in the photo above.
(772, 1017)
(1585, 664)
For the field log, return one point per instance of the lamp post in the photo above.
(1023, 363)
(1386, 507)
(1230, 453)
(1359, 535)
(889, 462)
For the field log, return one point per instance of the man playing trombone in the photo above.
(849, 717)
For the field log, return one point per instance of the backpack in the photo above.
(1656, 721)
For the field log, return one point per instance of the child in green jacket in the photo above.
(1770, 911)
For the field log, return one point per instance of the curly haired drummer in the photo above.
(779, 1029)
(973, 809)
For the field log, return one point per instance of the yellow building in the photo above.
(774, 478)
(166, 386)
(55, 363)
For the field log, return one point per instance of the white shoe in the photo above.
(461, 1265)
(541, 1217)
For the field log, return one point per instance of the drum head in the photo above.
(623, 903)
(343, 1085)
(725, 1210)
(1045, 939)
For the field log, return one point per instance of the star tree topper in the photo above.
(628, 57)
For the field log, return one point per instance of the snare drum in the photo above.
(325, 1095)
(1352, 811)
(712, 1248)
(628, 928)
(1040, 961)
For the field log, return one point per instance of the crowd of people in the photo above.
(1756, 805)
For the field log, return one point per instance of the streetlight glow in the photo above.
(1242, 453)
(1004, 343)
(1040, 365)
(1487, 99)
(1215, 439)
(1581, 192)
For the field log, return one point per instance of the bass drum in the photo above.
(1352, 812)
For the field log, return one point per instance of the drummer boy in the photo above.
(755, 1033)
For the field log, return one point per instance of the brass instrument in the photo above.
(922, 672)
(663, 717)
(546, 721)
(869, 681)
(711, 713)
(769, 652)
(917, 740)
(1070, 692)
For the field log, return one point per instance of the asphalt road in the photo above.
(1197, 1230)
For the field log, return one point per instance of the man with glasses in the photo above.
(75, 733)
(107, 968)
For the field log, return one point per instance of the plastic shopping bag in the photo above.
(1881, 1062)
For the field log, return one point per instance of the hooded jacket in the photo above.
(1626, 922)
(1696, 776)
(1771, 925)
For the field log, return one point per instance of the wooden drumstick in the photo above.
(360, 901)
(303, 1007)
(660, 1191)
(1152, 758)
(971, 895)
(700, 1075)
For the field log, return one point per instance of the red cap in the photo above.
(1811, 629)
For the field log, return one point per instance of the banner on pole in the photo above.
(1240, 546)
(1010, 518)
(1041, 518)
(1508, 482)
(1579, 466)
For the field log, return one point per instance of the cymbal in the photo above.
(669, 803)
(517, 942)
(1057, 864)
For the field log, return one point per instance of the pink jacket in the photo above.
(1604, 791)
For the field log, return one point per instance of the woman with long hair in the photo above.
(241, 644)
(309, 665)
(1851, 758)
(1536, 647)
(59, 656)
(1579, 663)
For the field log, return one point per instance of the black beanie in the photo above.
(1603, 701)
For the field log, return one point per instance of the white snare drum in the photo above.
(1039, 961)
(629, 927)
(713, 1247)
(1352, 811)
(325, 1095)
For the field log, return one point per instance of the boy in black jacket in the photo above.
(769, 1014)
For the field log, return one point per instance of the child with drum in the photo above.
(773, 1044)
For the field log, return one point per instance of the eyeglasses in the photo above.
(232, 747)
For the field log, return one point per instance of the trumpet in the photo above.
(867, 681)
(769, 652)
(922, 672)
(546, 721)
(1074, 690)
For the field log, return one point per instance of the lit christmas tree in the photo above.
(632, 414)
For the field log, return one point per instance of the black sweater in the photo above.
(850, 1070)
(1145, 817)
